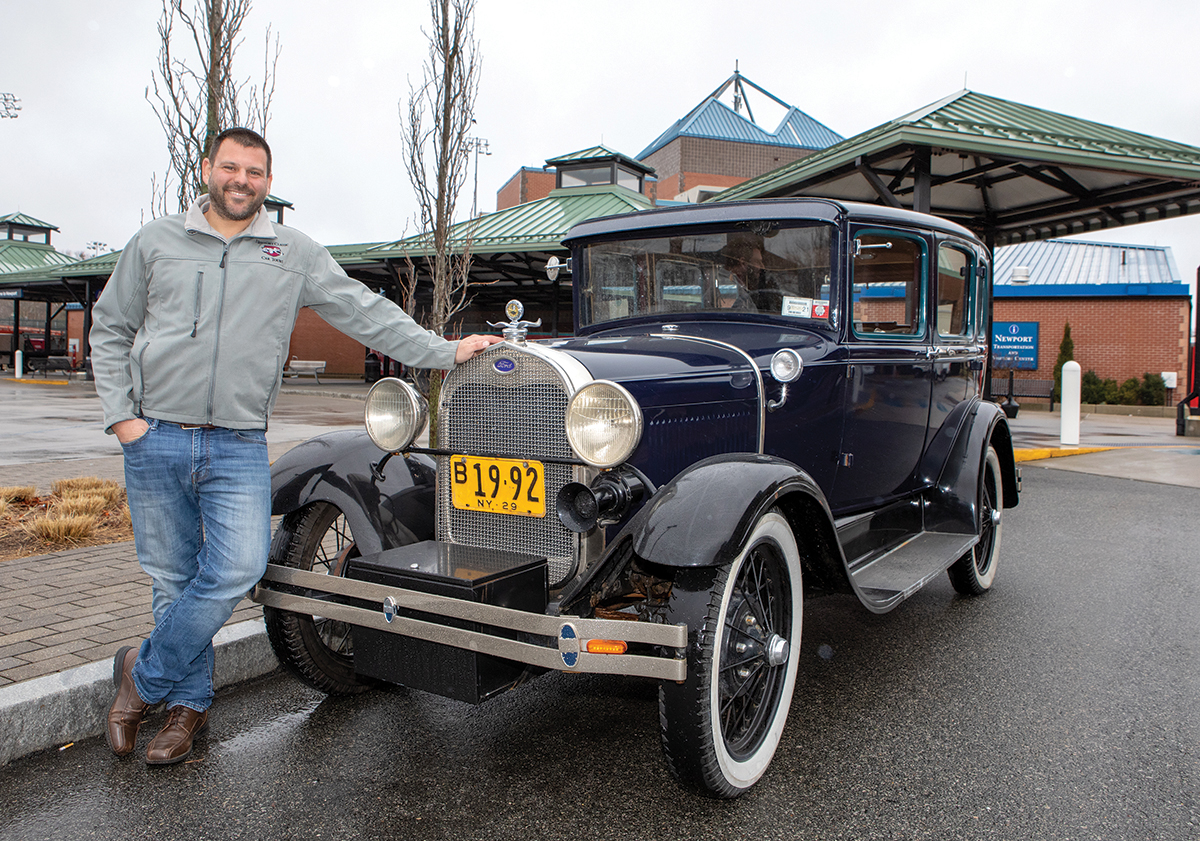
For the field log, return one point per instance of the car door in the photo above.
(889, 365)
(958, 353)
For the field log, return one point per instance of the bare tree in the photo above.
(194, 105)
(437, 119)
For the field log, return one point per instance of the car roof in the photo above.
(790, 209)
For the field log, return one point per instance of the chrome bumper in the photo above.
(572, 633)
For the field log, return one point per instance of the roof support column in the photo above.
(87, 328)
(922, 178)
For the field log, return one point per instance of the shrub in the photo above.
(89, 486)
(53, 528)
(1128, 393)
(1066, 353)
(1095, 390)
(1091, 388)
(1111, 390)
(82, 503)
(1152, 391)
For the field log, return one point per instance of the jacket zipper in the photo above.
(212, 377)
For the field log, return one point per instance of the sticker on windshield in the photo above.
(797, 307)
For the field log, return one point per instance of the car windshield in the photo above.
(778, 271)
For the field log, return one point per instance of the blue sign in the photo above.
(1015, 345)
(12, 293)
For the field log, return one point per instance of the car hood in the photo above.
(696, 351)
(699, 394)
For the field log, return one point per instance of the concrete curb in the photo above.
(1038, 453)
(56, 709)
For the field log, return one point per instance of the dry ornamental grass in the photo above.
(78, 512)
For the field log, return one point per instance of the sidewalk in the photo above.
(64, 615)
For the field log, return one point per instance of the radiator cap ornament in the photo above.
(515, 330)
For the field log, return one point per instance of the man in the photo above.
(188, 342)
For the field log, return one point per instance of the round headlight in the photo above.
(395, 415)
(786, 365)
(604, 424)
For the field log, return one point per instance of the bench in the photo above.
(46, 364)
(304, 367)
(1012, 387)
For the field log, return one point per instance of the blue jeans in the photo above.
(200, 501)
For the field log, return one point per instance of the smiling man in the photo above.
(189, 340)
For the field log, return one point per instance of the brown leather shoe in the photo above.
(127, 710)
(174, 742)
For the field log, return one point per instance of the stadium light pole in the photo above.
(9, 106)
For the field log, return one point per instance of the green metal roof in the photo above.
(18, 256)
(27, 221)
(598, 153)
(534, 226)
(101, 264)
(1001, 168)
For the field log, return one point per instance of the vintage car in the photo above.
(762, 402)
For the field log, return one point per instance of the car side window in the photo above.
(955, 273)
(889, 285)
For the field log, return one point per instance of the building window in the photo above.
(585, 177)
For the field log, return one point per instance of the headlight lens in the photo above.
(604, 424)
(395, 415)
(786, 365)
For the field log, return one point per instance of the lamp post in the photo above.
(480, 147)
(9, 106)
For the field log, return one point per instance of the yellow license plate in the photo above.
(498, 485)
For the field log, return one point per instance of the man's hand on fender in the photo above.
(472, 345)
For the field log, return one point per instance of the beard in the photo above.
(225, 210)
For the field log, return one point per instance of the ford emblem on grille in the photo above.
(504, 365)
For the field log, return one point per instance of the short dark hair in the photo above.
(243, 137)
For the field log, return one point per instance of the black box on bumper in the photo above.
(503, 579)
(457, 600)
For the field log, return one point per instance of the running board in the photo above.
(893, 577)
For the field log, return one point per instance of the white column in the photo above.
(1071, 382)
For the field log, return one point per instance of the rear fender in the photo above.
(337, 468)
(954, 499)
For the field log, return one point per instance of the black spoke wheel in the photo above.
(721, 726)
(974, 572)
(317, 649)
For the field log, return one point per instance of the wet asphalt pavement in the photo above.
(1061, 705)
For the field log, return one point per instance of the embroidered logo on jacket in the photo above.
(272, 250)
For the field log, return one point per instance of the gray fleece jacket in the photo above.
(192, 328)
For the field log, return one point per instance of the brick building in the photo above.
(1128, 309)
(713, 147)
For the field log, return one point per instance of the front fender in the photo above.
(704, 515)
(336, 468)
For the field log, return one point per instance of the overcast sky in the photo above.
(558, 77)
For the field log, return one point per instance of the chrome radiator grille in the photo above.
(517, 414)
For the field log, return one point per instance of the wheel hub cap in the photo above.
(777, 650)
